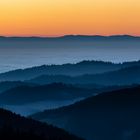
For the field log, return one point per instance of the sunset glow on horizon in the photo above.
(63, 17)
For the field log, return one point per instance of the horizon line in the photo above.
(60, 36)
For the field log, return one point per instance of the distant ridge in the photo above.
(85, 67)
(73, 37)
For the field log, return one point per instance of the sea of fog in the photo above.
(28, 109)
(23, 54)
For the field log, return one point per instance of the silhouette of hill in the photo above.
(84, 67)
(15, 127)
(56, 91)
(66, 69)
(28, 99)
(107, 116)
(72, 37)
(12, 84)
(124, 76)
(26, 94)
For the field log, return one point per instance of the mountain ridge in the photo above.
(81, 68)
(109, 115)
(72, 37)
(14, 126)
(124, 76)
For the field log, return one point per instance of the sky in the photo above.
(64, 17)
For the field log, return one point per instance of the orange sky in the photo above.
(61, 17)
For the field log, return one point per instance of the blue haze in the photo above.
(15, 54)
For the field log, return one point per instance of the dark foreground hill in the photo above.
(84, 67)
(15, 127)
(109, 116)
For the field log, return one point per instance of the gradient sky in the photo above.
(61, 17)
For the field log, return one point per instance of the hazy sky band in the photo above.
(60, 17)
